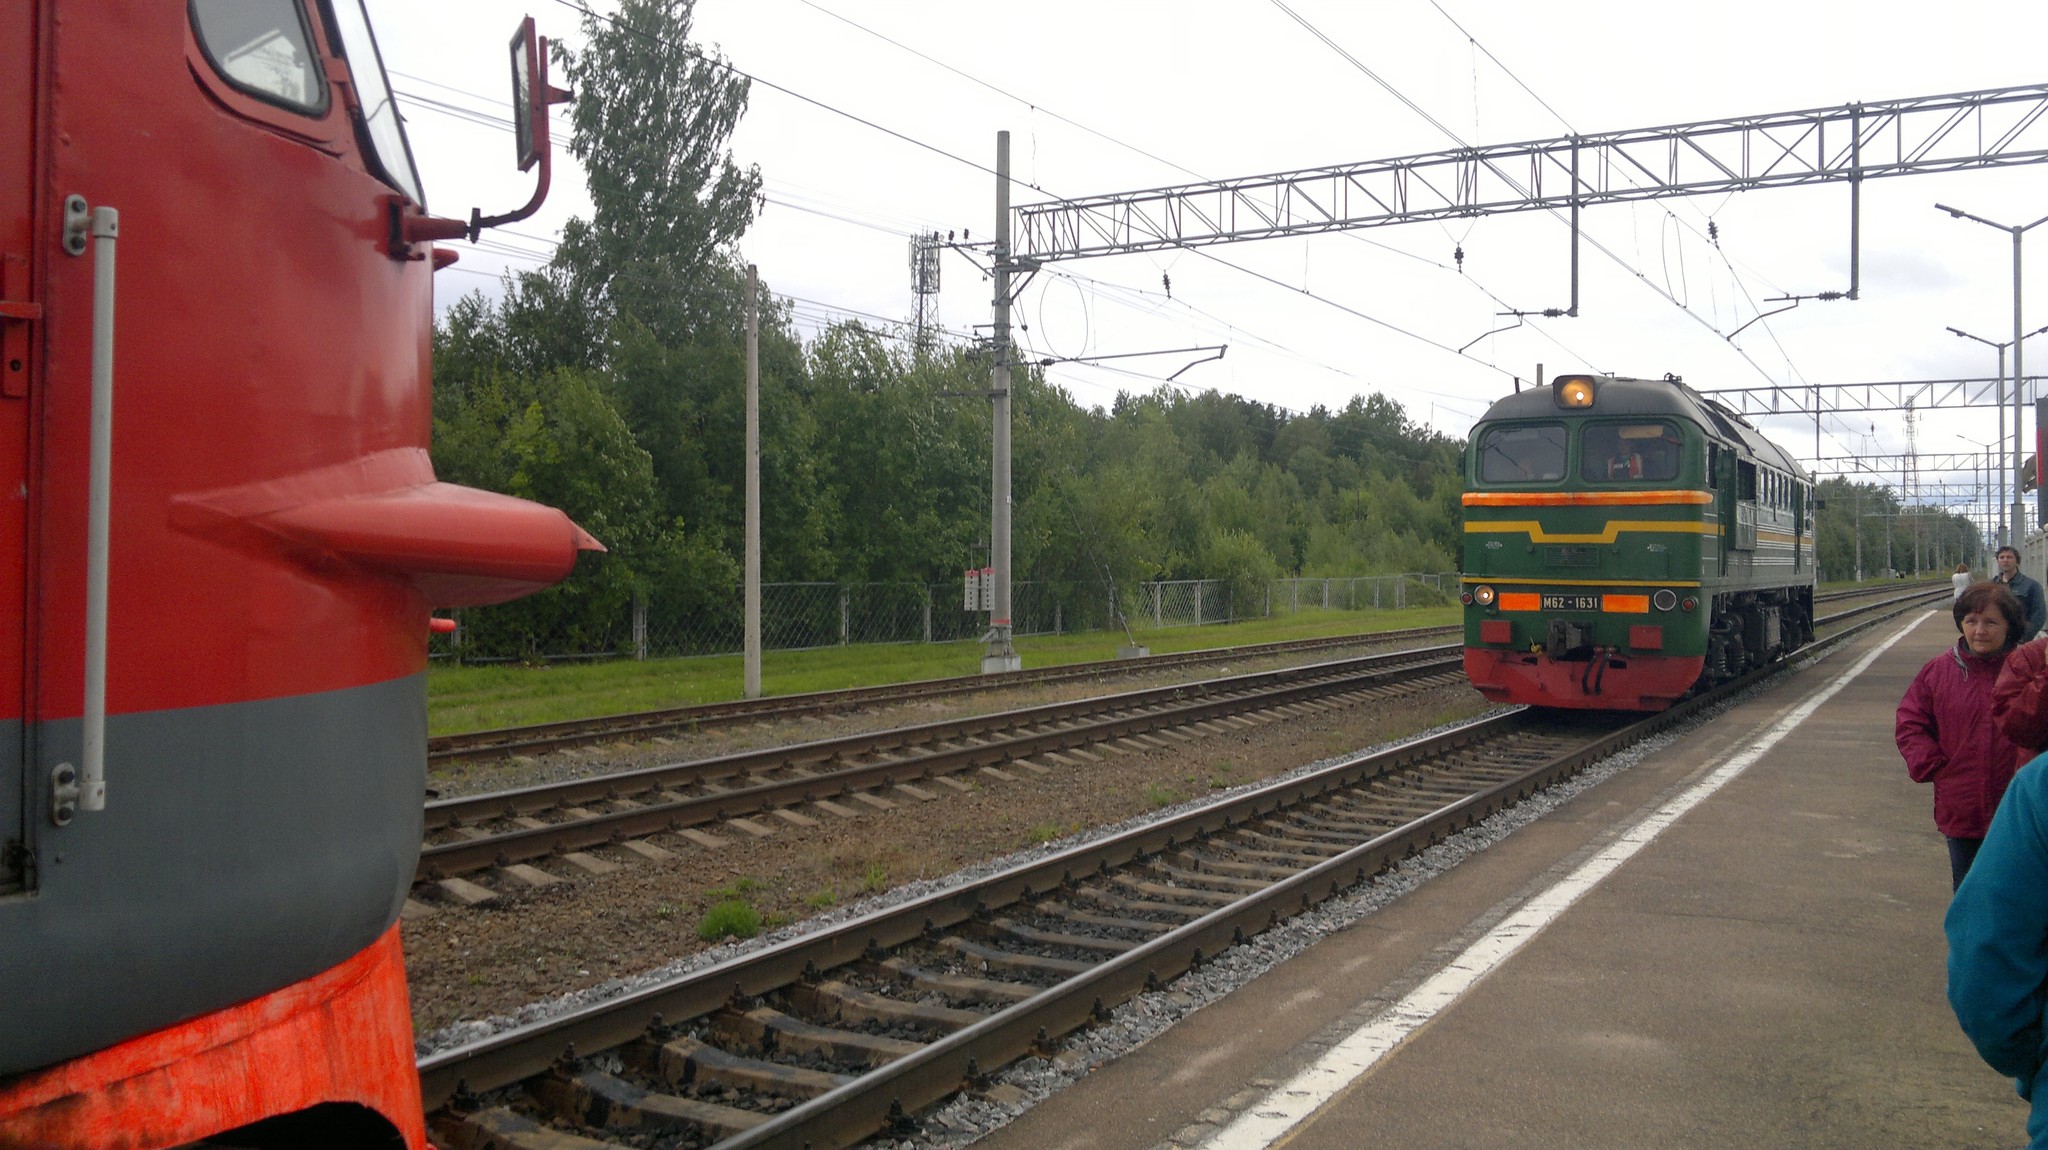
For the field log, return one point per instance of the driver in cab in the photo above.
(1626, 463)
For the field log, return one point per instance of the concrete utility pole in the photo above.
(998, 654)
(753, 559)
(1859, 533)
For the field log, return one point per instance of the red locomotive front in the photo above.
(212, 712)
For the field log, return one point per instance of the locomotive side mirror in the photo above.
(532, 95)
(529, 86)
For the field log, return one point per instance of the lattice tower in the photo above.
(924, 287)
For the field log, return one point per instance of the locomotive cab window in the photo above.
(384, 136)
(1528, 454)
(1629, 453)
(262, 47)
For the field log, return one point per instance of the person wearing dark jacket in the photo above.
(1945, 729)
(2019, 700)
(2033, 601)
(1997, 929)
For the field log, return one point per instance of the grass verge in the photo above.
(481, 698)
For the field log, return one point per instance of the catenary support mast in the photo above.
(997, 653)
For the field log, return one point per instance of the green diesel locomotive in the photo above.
(1625, 541)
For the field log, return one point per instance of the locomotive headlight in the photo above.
(1483, 595)
(1572, 390)
(1664, 600)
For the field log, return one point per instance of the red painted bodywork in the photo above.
(268, 348)
(277, 529)
(1633, 682)
(344, 1036)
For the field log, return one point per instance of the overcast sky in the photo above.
(1110, 96)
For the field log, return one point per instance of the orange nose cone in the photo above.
(585, 541)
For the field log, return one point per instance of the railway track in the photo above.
(540, 738)
(830, 1037)
(507, 828)
(508, 832)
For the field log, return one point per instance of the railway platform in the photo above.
(1764, 968)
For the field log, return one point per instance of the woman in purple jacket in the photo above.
(1945, 728)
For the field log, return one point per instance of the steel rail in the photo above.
(943, 747)
(544, 796)
(703, 716)
(940, 1068)
(1016, 735)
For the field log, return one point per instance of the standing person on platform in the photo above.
(1997, 930)
(2033, 602)
(2019, 703)
(1961, 579)
(1944, 726)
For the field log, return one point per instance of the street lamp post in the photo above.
(2004, 537)
(2017, 423)
(2018, 375)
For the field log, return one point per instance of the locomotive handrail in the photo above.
(106, 229)
(103, 225)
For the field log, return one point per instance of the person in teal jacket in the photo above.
(1998, 943)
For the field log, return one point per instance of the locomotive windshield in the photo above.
(384, 135)
(1527, 454)
(1628, 453)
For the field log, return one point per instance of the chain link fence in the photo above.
(801, 616)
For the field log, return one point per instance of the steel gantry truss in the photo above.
(1934, 462)
(1993, 128)
(1841, 398)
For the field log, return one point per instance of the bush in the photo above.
(729, 919)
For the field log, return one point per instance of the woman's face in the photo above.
(1984, 631)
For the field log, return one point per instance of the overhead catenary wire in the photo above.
(781, 197)
(1496, 299)
(727, 65)
(581, 7)
(1711, 238)
(1293, 289)
(1573, 129)
(1598, 245)
(504, 123)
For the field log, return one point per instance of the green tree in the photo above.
(902, 465)
(652, 121)
(556, 440)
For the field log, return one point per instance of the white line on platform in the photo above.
(1269, 1120)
